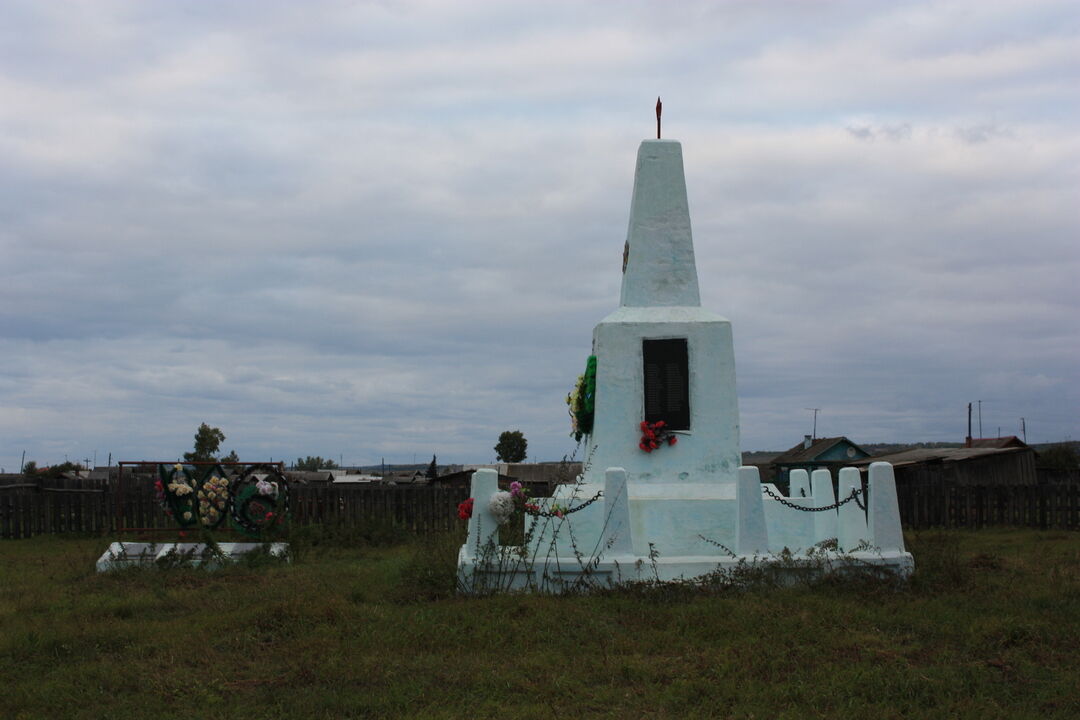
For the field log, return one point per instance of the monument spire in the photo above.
(659, 251)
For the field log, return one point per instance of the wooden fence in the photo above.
(936, 505)
(29, 509)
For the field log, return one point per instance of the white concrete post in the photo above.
(798, 484)
(751, 536)
(617, 538)
(483, 527)
(884, 510)
(824, 521)
(851, 520)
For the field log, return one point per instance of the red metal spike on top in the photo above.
(659, 108)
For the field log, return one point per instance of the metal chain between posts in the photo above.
(855, 493)
(563, 513)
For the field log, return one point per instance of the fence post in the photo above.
(22, 529)
(1042, 506)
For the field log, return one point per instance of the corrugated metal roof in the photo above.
(921, 455)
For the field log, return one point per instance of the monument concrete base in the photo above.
(572, 574)
(637, 532)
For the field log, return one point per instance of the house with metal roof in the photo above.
(811, 453)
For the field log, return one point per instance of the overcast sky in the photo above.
(386, 230)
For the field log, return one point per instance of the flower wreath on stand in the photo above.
(260, 501)
(176, 493)
(213, 495)
(582, 401)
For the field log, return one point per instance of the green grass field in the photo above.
(989, 627)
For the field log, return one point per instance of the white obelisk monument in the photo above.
(683, 508)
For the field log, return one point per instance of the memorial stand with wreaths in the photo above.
(206, 512)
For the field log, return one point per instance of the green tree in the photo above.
(30, 469)
(56, 471)
(207, 442)
(314, 463)
(433, 469)
(511, 447)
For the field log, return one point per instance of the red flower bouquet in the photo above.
(653, 435)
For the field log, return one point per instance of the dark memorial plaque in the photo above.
(667, 382)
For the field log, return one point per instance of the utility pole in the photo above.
(22, 463)
(968, 444)
(813, 434)
(980, 418)
(1023, 429)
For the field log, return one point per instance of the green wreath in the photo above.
(582, 401)
(254, 513)
(179, 504)
(213, 497)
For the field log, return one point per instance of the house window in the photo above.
(667, 382)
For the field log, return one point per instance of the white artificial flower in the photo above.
(265, 487)
(502, 506)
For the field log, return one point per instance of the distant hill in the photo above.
(757, 457)
(1074, 444)
(876, 449)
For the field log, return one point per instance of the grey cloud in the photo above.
(379, 230)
